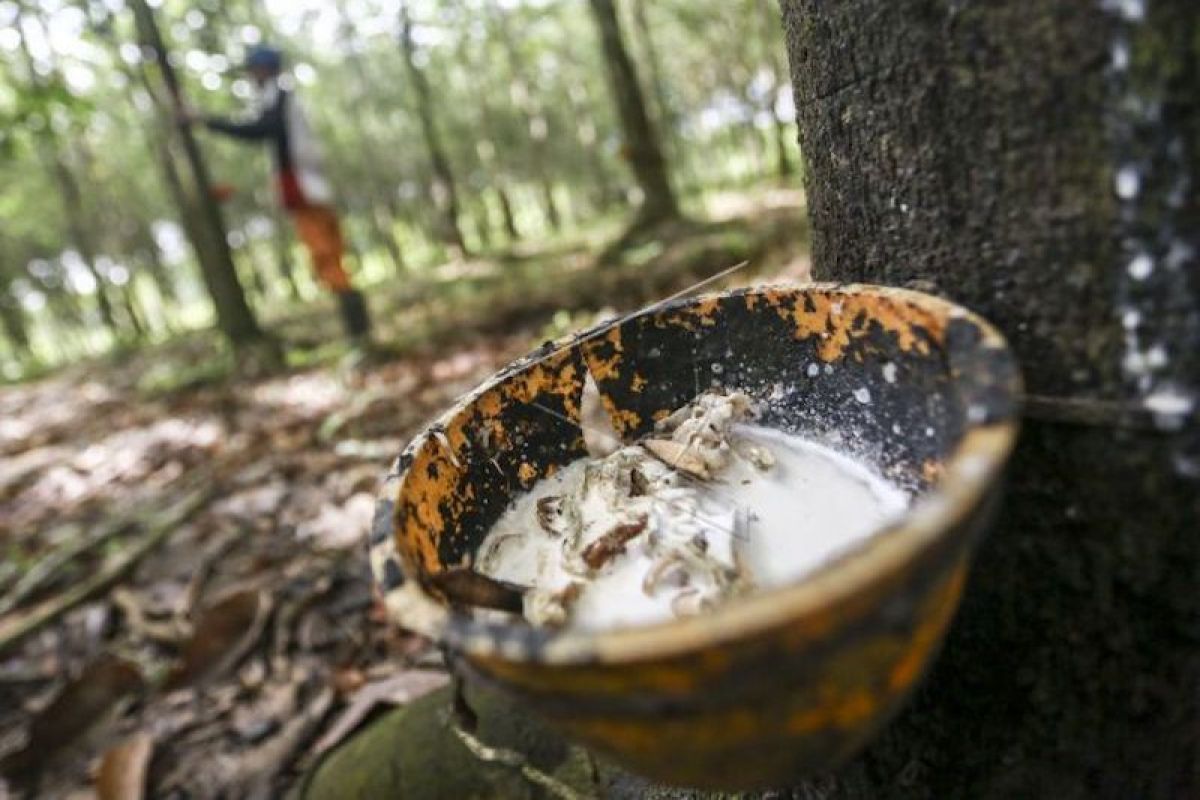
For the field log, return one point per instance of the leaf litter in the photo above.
(284, 467)
(185, 610)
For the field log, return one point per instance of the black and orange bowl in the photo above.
(767, 688)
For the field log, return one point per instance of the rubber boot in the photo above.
(354, 314)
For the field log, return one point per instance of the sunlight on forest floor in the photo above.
(198, 547)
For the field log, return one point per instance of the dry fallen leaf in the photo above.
(222, 636)
(678, 456)
(122, 772)
(348, 680)
(82, 705)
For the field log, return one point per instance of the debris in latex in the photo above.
(674, 525)
(611, 544)
(636, 508)
(463, 586)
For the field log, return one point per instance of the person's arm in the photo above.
(267, 125)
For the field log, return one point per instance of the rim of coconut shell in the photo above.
(973, 465)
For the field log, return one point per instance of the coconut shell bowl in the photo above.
(769, 687)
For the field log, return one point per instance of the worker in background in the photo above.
(303, 189)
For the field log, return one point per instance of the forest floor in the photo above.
(184, 599)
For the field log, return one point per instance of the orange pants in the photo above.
(318, 228)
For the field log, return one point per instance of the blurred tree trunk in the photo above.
(258, 276)
(498, 169)
(770, 21)
(553, 214)
(12, 316)
(641, 141)
(50, 151)
(483, 223)
(506, 213)
(133, 311)
(783, 160)
(12, 319)
(196, 233)
(145, 244)
(234, 317)
(1020, 158)
(525, 95)
(668, 120)
(444, 189)
(78, 226)
(382, 219)
(383, 216)
(283, 254)
(604, 192)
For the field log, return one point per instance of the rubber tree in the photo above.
(444, 189)
(235, 319)
(524, 92)
(769, 18)
(1038, 163)
(12, 316)
(382, 210)
(642, 145)
(53, 153)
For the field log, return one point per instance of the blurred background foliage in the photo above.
(99, 247)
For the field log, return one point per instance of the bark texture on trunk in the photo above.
(12, 316)
(75, 215)
(234, 317)
(1032, 161)
(641, 140)
(506, 211)
(444, 189)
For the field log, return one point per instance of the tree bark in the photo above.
(78, 228)
(135, 315)
(536, 124)
(1037, 162)
(444, 190)
(12, 320)
(234, 317)
(382, 219)
(283, 254)
(641, 139)
(784, 168)
(12, 316)
(506, 213)
(51, 153)
(667, 118)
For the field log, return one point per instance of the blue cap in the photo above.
(264, 57)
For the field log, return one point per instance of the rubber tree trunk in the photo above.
(641, 140)
(784, 168)
(507, 214)
(79, 228)
(234, 317)
(12, 316)
(382, 210)
(133, 312)
(1038, 162)
(444, 190)
(496, 169)
(144, 244)
(667, 118)
(525, 94)
(282, 245)
(50, 151)
(12, 320)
